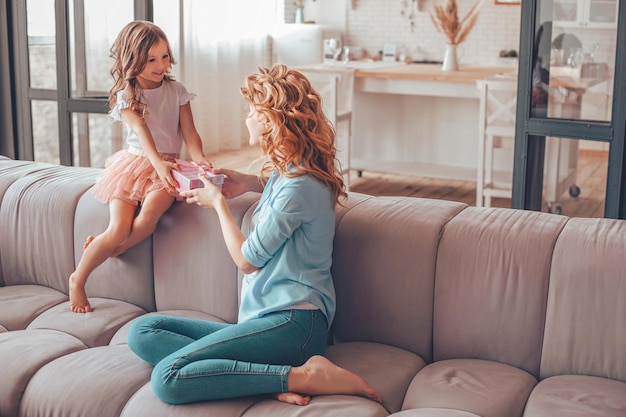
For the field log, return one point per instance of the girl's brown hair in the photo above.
(131, 51)
(298, 138)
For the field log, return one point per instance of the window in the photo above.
(62, 116)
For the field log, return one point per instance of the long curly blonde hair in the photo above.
(131, 51)
(298, 139)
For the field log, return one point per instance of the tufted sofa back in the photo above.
(192, 267)
(384, 269)
(585, 332)
(46, 214)
(491, 286)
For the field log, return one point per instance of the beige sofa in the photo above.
(446, 309)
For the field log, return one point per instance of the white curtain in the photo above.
(221, 42)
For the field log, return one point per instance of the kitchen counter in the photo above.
(432, 72)
(418, 120)
(425, 80)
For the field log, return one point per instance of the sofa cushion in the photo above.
(433, 412)
(10, 171)
(585, 331)
(36, 223)
(486, 388)
(381, 239)
(145, 403)
(493, 268)
(20, 304)
(320, 406)
(95, 382)
(95, 328)
(23, 352)
(577, 396)
(388, 369)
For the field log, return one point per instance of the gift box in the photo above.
(188, 176)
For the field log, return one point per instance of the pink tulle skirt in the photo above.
(128, 177)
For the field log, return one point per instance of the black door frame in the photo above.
(531, 131)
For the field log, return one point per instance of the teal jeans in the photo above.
(199, 360)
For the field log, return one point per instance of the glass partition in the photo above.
(574, 59)
(574, 178)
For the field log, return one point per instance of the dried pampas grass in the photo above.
(445, 17)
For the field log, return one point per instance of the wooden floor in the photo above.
(590, 178)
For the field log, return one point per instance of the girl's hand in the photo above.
(164, 171)
(207, 197)
(203, 162)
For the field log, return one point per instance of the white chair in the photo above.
(335, 88)
(496, 130)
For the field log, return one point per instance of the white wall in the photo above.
(371, 23)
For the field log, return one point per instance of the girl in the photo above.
(288, 297)
(137, 183)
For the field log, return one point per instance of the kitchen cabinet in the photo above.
(418, 120)
(586, 13)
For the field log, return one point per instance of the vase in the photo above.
(299, 15)
(450, 61)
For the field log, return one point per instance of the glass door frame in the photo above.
(531, 132)
(67, 105)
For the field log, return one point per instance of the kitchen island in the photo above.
(415, 119)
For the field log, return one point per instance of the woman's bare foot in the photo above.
(78, 297)
(293, 398)
(90, 239)
(319, 376)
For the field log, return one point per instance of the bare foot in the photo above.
(78, 297)
(90, 238)
(319, 376)
(293, 398)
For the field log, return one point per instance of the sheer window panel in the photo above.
(218, 44)
(575, 177)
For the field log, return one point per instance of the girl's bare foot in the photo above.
(293, 398)
(319, 376)
(78, 297)
(90, 238)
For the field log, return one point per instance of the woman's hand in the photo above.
(236, 183)
(207, 197)
(164, 171)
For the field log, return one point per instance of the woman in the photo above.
(288, 298)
